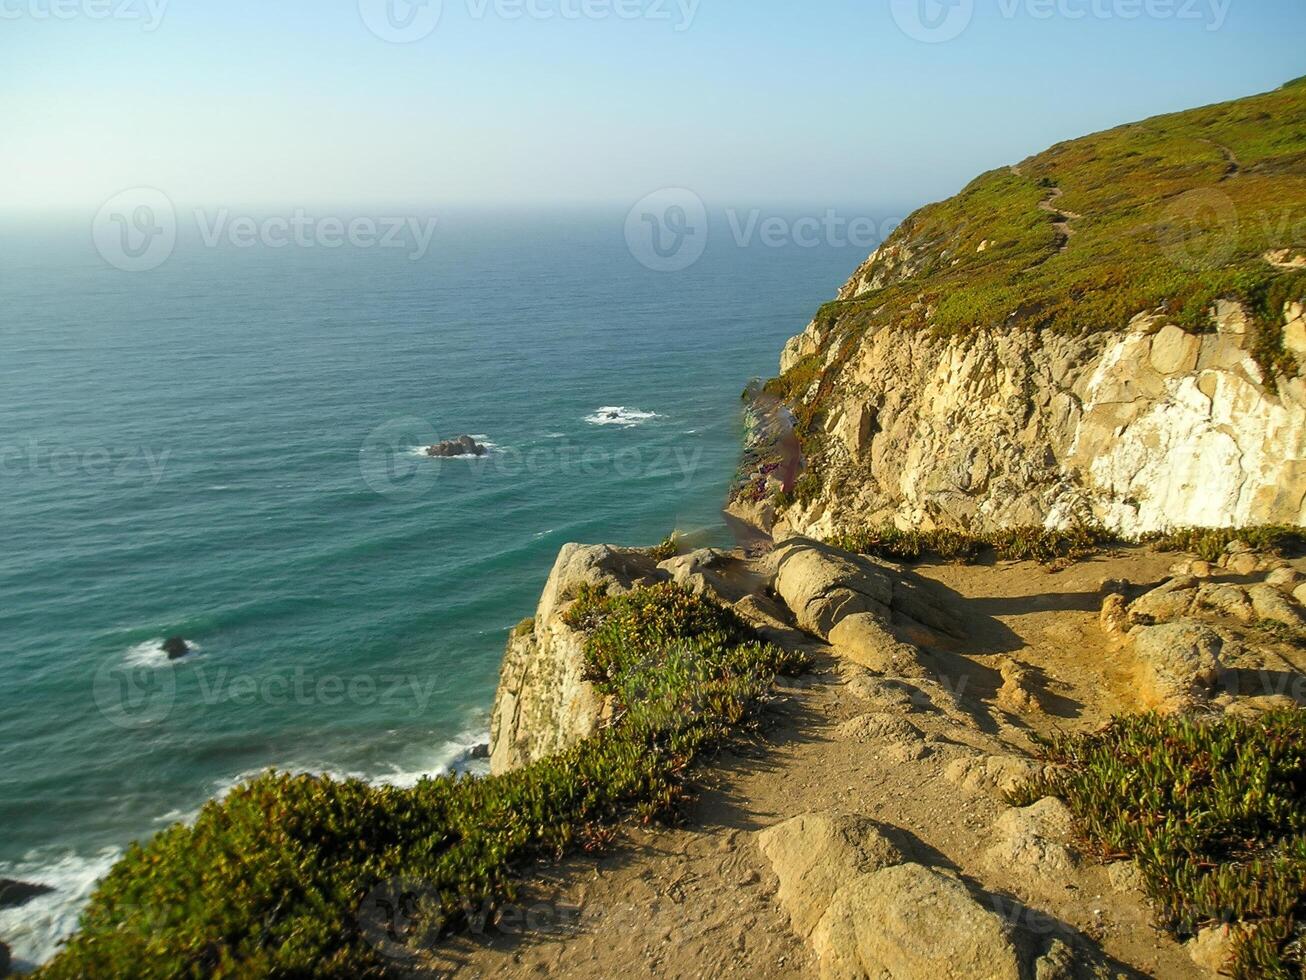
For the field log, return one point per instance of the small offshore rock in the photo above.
(462, 446)
(176, 647)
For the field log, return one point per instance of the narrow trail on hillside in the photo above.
(1061, 218)
(1233, 168)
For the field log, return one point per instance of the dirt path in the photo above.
(699, 901)
(1233, 167)
(1061, 219)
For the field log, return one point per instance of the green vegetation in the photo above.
(667, 548)
(1174, 213)
(265, 882)
(1011, 544)
(525, 627)
(1209, 543)
(1214, 814)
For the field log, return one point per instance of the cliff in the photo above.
(1109, 332)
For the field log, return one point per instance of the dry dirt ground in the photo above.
(700, 901)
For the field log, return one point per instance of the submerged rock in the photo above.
(15, 893)
(462, 446)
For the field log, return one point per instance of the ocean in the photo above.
(228, 448)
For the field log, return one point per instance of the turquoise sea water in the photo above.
(222, 448)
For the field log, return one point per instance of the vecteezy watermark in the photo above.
(407, 21)
(401, 21)
(668, 231)
(1202, 229)
(148, 13)
(140, 464)
(145, 692)
(936, 21)
(394, 461)
(137, 229)
(932, 21)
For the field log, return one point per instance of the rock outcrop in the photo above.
(544, 703)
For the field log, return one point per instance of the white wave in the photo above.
(620, 415)
(555, 435)
(34, 929)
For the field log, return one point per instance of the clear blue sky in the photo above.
(278, 103)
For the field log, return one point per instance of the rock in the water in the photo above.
(462, 446)
(480, 751)
(15, 893)
(1178, 664)
(6, 959)
(175, 647)
(910, 922)
(816, 854)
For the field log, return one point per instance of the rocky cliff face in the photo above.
(1147, 428)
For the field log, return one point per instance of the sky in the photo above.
(370, 103)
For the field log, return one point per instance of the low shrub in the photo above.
(266, 881)
(1210, 543)
(1010, 544)
(1214, 813)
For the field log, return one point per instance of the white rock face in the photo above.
(1142, 430)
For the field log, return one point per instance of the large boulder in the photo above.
(1270, 604)
(816, 854)
(1177, 664)
(910, 922)
(543, 703)
(865, 639)
(822, 584)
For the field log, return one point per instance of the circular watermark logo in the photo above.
(1199, 229)
(393, 458)
(932, 21)
(389, 918)
(667, 230)
(401, 21)
(134, 695)
(136, 230)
